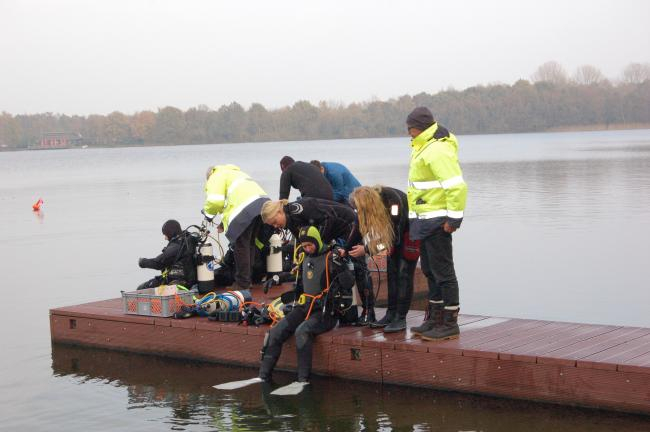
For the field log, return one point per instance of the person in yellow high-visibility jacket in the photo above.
(436, 198)
(238, 199)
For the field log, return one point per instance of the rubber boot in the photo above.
(448, 330)
(384, 321)
(398, 324)
(432, 316)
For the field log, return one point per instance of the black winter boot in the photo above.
(384, 321)
(432, 316)
(398, 324)
(448, 330)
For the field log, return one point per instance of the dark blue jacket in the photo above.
(341, 179)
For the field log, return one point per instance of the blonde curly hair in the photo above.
(375, 224)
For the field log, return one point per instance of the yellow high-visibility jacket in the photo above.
(436, 186)
(229, 191)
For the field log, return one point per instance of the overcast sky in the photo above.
(99, 56)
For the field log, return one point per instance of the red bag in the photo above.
(410, 248)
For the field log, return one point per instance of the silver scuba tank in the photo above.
(205, 268)
(356, 300)
(274, 259)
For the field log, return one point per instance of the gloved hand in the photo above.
(275, 280)
(207, 217)
(141, 262)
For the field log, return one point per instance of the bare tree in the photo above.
(636, 73)
(588, 75)
(551, 72)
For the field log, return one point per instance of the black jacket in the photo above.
(333, 220)
(307, 179)
(176, 259)
(395, 197)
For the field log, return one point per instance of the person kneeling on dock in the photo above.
(327, 295)
(176, 260)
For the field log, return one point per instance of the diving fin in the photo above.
(238, 384)
(289, 390)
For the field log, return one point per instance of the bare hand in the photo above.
(357, 251)
(220, 228)
(448, 228)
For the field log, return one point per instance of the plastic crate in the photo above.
(147, 302)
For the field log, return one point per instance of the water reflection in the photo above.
(179, 393)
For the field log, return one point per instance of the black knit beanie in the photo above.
(171, 228)
(420, 118)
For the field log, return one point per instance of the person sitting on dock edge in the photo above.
(336, 222)
(326, 297)
(176, 260)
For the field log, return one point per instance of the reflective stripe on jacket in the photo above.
(229, 191)
(436, 187)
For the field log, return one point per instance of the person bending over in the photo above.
(304, 177)
(339, 176)
(238, 198)
(384, 224)
(335, 222)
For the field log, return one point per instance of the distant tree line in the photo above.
(550, 100)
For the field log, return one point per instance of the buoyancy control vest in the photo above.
(183, 268)
(315, 279)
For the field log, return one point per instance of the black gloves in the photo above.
(275, 280)
(141, 262)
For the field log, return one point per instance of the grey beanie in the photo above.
(420, 118)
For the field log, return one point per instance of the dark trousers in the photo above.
(305, 331)
(244, 253)
(400, 282)
(438, 266)
(364, 282)
(151, 283)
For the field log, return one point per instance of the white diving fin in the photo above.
(289, 390)
(233, 385)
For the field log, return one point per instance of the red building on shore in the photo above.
(59, 140)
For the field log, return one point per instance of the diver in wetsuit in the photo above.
(327, 296)
(176, 262)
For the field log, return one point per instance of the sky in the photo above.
(98, 56)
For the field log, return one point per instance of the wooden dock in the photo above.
(577, 364)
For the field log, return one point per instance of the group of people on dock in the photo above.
(338, 223)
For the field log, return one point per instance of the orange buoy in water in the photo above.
(37, 205)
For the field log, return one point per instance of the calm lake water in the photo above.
(557, 227)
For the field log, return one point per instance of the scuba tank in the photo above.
(274, 259)
(356, 301)
(205, 268)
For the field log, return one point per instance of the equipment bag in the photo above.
(410, 248)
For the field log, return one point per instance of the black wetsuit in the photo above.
(307, 179)
(400, 268)
(176, 262)
(334, 221)
(324, 315)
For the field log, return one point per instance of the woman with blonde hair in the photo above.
(383, 223)
(335, 221)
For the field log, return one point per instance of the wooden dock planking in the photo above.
(590, 365)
